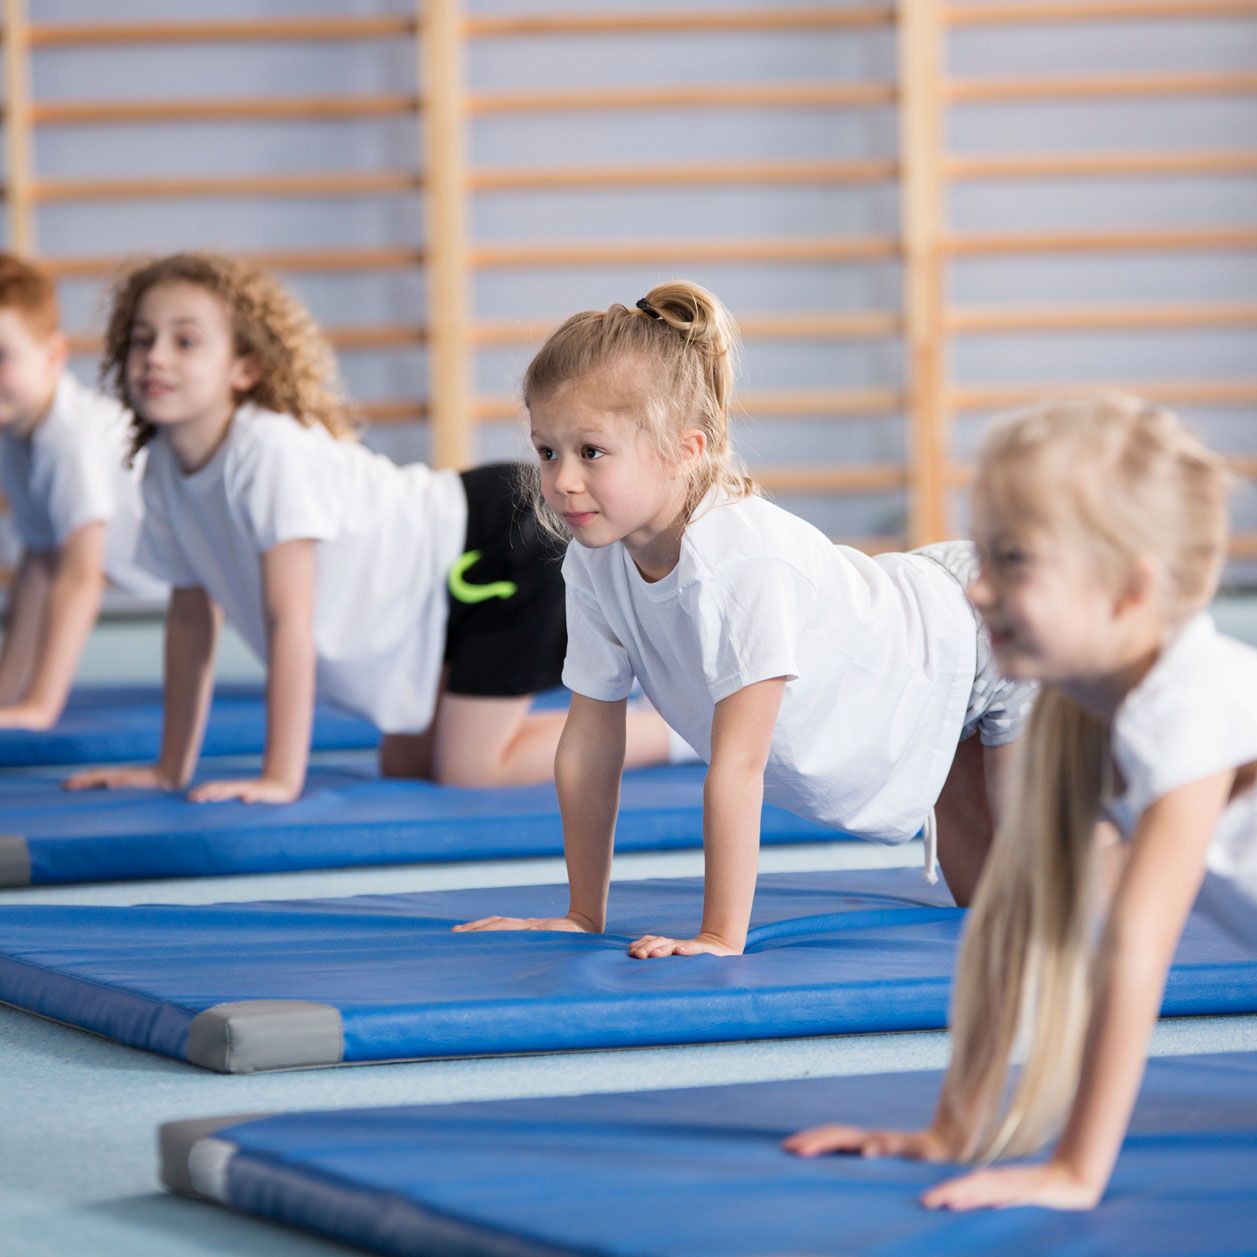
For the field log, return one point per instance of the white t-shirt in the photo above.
(388, 536)
(879, 654)
(71, 471)
(1194, 715)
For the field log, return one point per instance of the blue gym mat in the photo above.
(345, 818)
(697, 1171)
(243, 987)
(114, 724)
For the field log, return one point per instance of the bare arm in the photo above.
(72, 604)
(1150, 906)
(28, 603)
(733, 796)
(587, 770)
(192, 622)
(288, 598)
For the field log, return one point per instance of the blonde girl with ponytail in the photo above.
(803, 673)
(1102, 530)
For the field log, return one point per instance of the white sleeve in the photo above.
(751, 616)
(597, 665)
(157, 549)
(291, 488)
(81, 484)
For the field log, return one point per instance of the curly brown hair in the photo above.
(296, 368)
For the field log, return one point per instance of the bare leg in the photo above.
(500, 742)
(965, 813)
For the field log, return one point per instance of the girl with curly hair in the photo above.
(427, 601)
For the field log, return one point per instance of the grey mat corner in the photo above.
(249, 1035)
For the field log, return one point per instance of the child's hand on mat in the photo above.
(24, 716)
(1051, 1186)
(912, 1145)
(650, 946)
(570, 924)
(247, 790)
(149, 777)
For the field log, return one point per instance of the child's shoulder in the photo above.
(749, 530)
(1197, 694)
(749, 526)
(77, 406)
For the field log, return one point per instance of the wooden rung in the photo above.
(349, 183)
(1102, 165)
(1167, 392)
(783, 19)
(1244, 545)
(394, 411)
(1043, 11)
(793, 403)
(855, 325)
(783, 249)
(1134, 240)
(821, 403)
(265, 30)
(546, 179)
(315, 260)
(961, 474)
(382, 336)
(872, 545)
(251, 108)
(879, 478)
(1101, 318)
(1098, 87)
(755, 96)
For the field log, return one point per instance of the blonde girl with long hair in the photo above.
(840, 686)
(426, 601)
(1102, 530)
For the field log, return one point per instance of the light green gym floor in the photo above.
(77, 1148)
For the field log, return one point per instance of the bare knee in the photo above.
(471, 776)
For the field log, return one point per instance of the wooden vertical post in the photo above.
(442, 32)
(20, 203)
(922, 212)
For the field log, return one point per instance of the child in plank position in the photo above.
(74, 505)
(1102, 530)
(331, 561)
(808, 674)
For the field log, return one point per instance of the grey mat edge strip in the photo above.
(175, 1141)
(15, 861)
(248, 1036)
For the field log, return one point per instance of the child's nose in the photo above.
(568, 477)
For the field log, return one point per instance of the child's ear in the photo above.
(244, 374)
(693, 445)
(58, 349)
(1142, 587)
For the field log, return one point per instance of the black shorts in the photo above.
(507, 631)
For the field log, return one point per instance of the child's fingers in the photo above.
(818, 1140)
(651, 945)
(86, 781)
(981, 1190)
(493, 923)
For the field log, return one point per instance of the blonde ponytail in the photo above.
(1024, 963)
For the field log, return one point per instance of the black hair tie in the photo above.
(646, 308)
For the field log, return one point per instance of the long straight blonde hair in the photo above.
(1126, 481)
